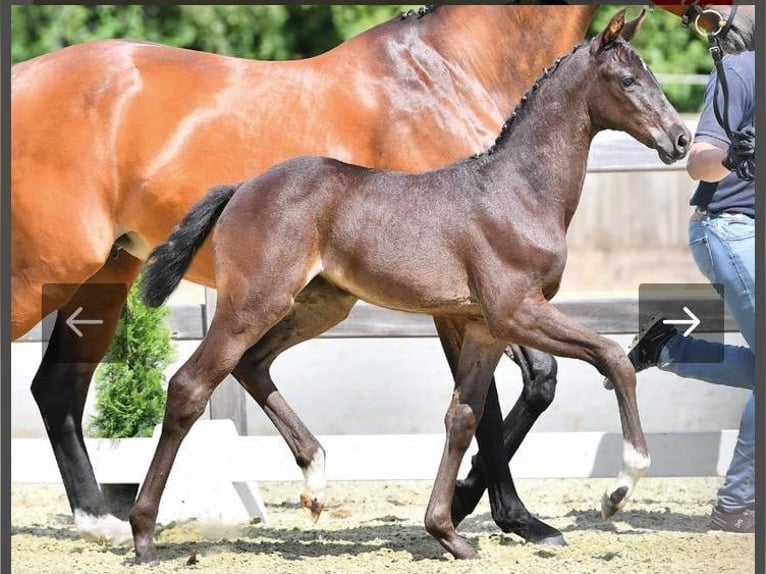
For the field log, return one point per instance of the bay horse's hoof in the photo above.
(146, 552)
(552, 540)
(534, 531)
(106, 528)
(313, 506)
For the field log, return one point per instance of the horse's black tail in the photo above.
(168, 262)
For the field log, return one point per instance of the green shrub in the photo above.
(130, 384)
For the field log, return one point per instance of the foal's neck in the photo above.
(552, 128)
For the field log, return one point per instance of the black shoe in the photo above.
(647, 344)
(739, 521)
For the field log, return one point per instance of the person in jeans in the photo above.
(722, 241)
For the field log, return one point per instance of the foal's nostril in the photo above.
(682, 143)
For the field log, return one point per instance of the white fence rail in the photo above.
(216, 473)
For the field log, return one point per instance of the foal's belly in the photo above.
(407, 286)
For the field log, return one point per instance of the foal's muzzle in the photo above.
(675, 144)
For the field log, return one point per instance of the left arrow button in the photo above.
(72, 321)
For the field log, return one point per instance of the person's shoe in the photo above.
(740, 521)
(647, 344)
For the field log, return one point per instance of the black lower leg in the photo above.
(490, 464)
(58, 389)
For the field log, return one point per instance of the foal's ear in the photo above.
(630, 28)
(610, 33)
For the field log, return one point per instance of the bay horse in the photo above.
(112, 141)
(481, 241)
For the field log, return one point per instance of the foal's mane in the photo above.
(621, 49)
(505, 130)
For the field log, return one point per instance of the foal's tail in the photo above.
(168, 262)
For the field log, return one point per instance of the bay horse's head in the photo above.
(624, 94)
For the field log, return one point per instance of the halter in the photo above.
(716, 52)
(697, 13)
(741, 138)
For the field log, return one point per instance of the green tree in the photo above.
(130, 385)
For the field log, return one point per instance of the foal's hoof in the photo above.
(149, 557)
(608, 384)
(313, 506)
(611, 503)
(462, 550)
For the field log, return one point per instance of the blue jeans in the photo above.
(723, 247)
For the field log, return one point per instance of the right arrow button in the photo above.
(692, 321)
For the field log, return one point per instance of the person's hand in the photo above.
(740, 157)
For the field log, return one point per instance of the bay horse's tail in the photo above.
(168, 262)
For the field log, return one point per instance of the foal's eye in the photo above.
(627, 81)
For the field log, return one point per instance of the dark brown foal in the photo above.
(481, 242)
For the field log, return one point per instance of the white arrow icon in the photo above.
(72, 321)
(693, 321)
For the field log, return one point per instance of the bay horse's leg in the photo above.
(317, 308)
(537, 323)
(498, 440)
(538, 371)
(60, 388)
(479, 355)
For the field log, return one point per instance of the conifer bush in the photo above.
(130, 384)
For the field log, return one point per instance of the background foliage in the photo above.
(295, 31)
(130, 386)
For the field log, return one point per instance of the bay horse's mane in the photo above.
(431, 8)
(419, 12)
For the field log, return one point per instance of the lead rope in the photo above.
(740, 157)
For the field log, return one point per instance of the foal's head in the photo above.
(624, 94)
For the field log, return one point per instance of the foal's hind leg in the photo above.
(490, 465)
(317, 308)
(250, 303)
(537, 323)
(236, 326)
(60, 387)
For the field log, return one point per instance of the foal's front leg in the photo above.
(537, 323)
(498, 440)
(479, 355)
